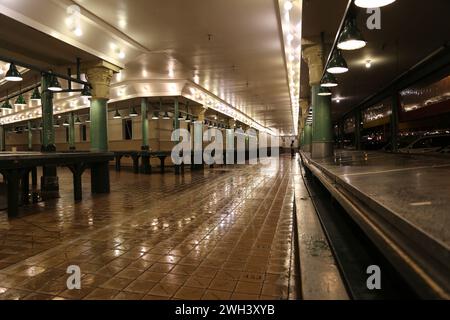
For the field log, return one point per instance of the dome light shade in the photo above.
(323, 92)
(77, 120)
(328, 81)
(337, 63)
(56, 125)
(155, 116)
(13, 74)
(36, 96)
(180, 118)
(6, 105)
(20, 102)
(66, 123)
(166, 116)
(351, 38)
(54, 86)
(86, 92)
(133, 113)
(117, 115)
(188, 119)
(373, 3)
(88, 120)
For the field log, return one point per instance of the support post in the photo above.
(71, 131)
(144, 124)
(30, 136)
(394, 122)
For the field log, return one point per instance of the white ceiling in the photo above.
(235, 47)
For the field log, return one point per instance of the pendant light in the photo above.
(367, 4)
(66, 123)
(166, 116)
(6, 105)
(188, 119)
(133, 112)
(351, 38)
(328, 81)
(86, 92)
(155, 115)
(88, 120)
(117, 115)
(180, 117)
(77, 120)
(13, 74)
(324, 92)
(56, 125)
(20, 102)
(337, 63)
(54, 85)
(36, 96)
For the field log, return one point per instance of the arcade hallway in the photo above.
(226, 233)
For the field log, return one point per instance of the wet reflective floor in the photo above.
(415, 189)
(222, 234)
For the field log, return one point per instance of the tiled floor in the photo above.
(222, 234)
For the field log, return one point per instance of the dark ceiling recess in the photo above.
(410, 31)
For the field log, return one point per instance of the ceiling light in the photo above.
(337, 63)
(288, 5)
(121, 54)
(373, 3)
(88, 120)
(338, 100)
(20, 102)
(36, 96)
(6, 105)
(77, 120)
(78, 32)
(117, 115)
(56, 125)
(13, 74)
(188, 119)
(368, 64)
(166, 116)
(66, 123)
(54, 86)
(324, 92)
(86, 92)
(155, 116)
(328, 80)
(133, 113)
(351, 38)
(180, 117)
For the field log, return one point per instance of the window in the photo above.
(83, 133)
(127, 129)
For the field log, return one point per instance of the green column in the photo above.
(99, 124)
(322, 129)
(302, 139)
(48, 131)
(308, 137)
(30, 137)
(394, 123)
(71, 131)
(144, 123)
(358, 129)
(2, 139)
(176, 125)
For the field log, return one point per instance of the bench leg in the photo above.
(34, 177)
(136, 164)
(100, 178)
(25, 187)
(13, 191)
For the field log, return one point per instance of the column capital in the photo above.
(313, 56)
(100, 79)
